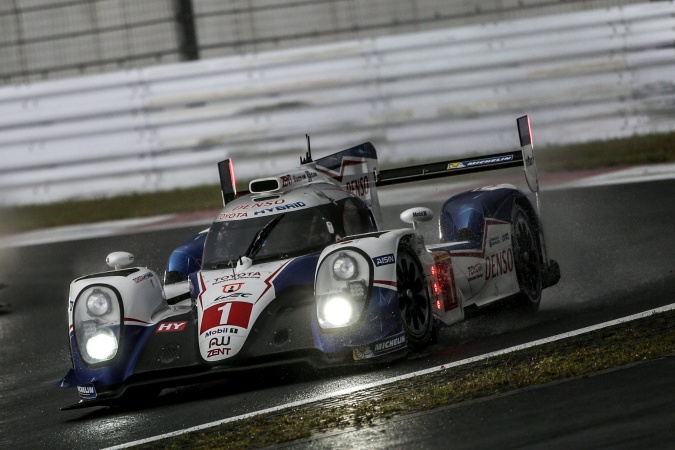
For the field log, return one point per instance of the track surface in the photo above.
(614, 244)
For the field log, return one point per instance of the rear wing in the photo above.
(449, 168)
(356, 168)
(524, 157)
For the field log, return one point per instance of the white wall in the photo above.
(588, 75)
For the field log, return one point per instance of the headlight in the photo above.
(337, 311)
(97, 316)
(345, 268)
(102, 345)
(342, 288)
(98, 303)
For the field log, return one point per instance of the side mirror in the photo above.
(244, 264)
(415, 215)
(117, 260)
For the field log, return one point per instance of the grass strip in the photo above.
(641, 340)
(638, 150)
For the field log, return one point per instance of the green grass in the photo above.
(646, 339)
(638, 150)
(73, 212)
(651, 149)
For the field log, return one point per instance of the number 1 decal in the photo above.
(225, 313)
(235, 314)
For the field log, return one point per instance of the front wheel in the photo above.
(527, 256)
(413, 299)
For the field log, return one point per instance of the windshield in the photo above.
(283, 236)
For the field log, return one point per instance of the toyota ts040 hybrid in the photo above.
(299, 269)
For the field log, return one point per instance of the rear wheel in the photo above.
(413, 299)
(527, 255)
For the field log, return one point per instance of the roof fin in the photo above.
(308, 156)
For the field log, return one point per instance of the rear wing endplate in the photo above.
(228, 185)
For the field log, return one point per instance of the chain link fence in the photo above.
(49, 39)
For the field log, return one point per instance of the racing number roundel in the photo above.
(235, 314)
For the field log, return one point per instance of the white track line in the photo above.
(637, 174)
(402, 377)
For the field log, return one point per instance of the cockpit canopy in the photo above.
(305, 228)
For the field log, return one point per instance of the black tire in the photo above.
(413, 299)
(527, 256)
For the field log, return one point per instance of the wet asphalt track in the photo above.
(615, 245)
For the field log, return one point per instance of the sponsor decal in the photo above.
(232, 295)
(279, 201)
(307, 176)
(236, 314)
(359, 187)
(234, 287)
(143, 277)
(232, 215)
(221, 341)
(311, 175)
(379, 348)
(499, 239)
(217, 352)
(475, 272)
(479, 162)
(419, 214)
(498, 264)
(286, 180)
(216, 331)
(239, 276)
(87, 391)
(280, 208)
(384, 260)
(169, 327)
(475, 269)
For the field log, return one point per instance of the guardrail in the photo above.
(580, 76)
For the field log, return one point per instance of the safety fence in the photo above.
(589, 75)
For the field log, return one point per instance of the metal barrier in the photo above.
(580, 76)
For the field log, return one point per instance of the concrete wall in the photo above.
(586, 75)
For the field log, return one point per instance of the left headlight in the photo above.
(99, 303)
(345, 267)
(97, 323)
(341, 289)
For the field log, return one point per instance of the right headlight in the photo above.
(97, 316)
(341, 289)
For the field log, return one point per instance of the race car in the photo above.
(300, 269)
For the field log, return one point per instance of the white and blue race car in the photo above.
(299, 269)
